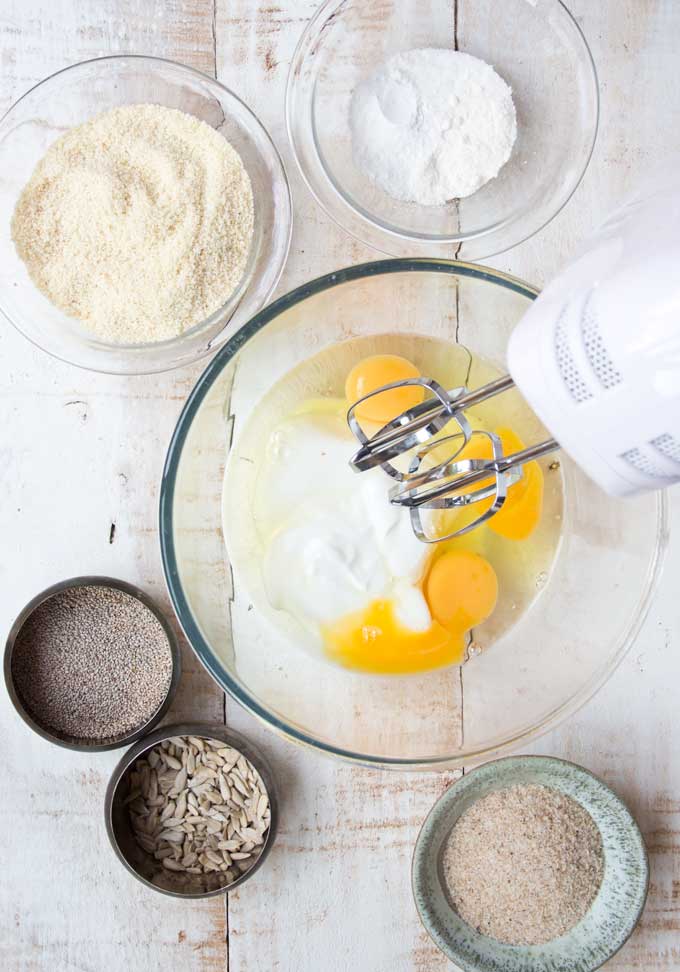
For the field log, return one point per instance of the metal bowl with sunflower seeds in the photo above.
(191, 810)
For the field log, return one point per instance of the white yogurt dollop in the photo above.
(333, 541)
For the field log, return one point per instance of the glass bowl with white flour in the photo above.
(456, 131)
(145, 215)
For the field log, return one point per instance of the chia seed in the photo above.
(92, 663)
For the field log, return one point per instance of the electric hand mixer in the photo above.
(597, 357)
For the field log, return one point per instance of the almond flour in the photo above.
(523, 865)
(138, 223)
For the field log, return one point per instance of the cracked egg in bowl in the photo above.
(309, 601)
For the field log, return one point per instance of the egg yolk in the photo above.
(461, 590)
(372, 373)
(521, 512)
(460, 585)
(375, 641)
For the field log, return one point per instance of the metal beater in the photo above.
(597, 358)
(415, 434)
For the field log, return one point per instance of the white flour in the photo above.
(432, 125)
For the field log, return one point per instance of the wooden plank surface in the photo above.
(81, 459)
(629, 732)
(335, 895)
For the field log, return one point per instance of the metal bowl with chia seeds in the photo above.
(91, 664)
(192, 810)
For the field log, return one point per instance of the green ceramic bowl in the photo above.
(612, 916)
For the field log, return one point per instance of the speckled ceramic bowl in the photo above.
(612, 916)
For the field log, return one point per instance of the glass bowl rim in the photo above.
(192, 632)
(239, 292)
(358, 216)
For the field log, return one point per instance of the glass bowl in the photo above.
(72, 96)
(538, 48)
(545, 666)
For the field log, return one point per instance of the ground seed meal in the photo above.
(524, 864)
(92, 663)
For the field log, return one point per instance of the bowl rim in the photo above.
(191, 630)
(234, 739)
(355, 219)
(91, 580)
(235, 298)
(449, 795)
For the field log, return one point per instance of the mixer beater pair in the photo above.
(419, 435)
(597, 359)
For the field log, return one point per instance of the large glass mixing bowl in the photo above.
(550, 662)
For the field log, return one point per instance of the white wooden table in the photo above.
(80, 452)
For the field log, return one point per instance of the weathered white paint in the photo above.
(79, 452)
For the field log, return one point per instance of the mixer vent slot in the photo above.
(668, 447)
(571, 376)
(600, 362)
(638, 460)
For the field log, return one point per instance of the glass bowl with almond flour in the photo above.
(145, 241)
(91, 664)
(530, 864)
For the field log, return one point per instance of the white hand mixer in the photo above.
(597, 357)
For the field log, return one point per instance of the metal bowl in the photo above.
(141, 864)
(74, 742)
